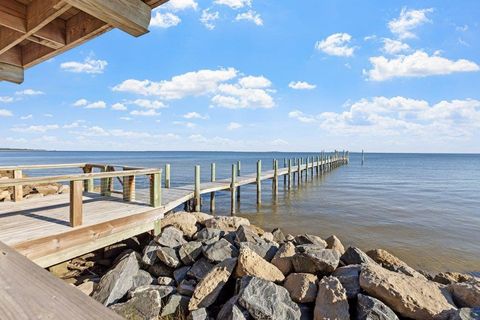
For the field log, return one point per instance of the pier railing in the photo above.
(125, 177)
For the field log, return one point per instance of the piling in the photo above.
(167, 176)
(212, 194)
(259, 182)
(233, 190)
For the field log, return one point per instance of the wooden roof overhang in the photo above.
(32, 31)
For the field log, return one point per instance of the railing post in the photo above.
(129, 188)
(156, 189)
(275, 178)
(284, 176)
(259, 182)
(17, 190)
(289, 173)
(212, 194)
(76, 203)
(197, 198)
(233, 189)
(306, 169)
(299, 171)
(238, 175)
(88, 184)
(104, 183)
(167, 176)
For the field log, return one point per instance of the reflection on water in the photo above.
(423, 208)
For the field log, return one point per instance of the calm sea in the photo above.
(425, 208)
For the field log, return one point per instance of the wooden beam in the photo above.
(76, 203)
(131, 16)
(13, 57)
(13, 15)
(11, 73)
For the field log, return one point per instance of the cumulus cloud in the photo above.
(235, 96)
(251, 16)
(119, 106)
(417, 64)
(408, 21)
(6, 99)
(391, 46)
(187, 124)
(336, 44)
(300, 116)
(235, 4)
(195, 115)
(301, 85)
(179, 5)
(27, 117)
(80, 103)
(234, 126)
(145, 113)
(149, 104)
(164, 20)
(208, 18)
(29, 92)
(255, 82)
(5, 113)
(89, 65)
(36, 128)
(90, 105)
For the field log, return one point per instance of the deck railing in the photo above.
(85, 182)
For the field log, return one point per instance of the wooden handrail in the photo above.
(43, 166)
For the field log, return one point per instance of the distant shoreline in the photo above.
(19, 149)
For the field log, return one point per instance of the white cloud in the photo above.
(126, 118)
(336, 44)
(89, 65)
(6, 99)
(250, 15)
(300, 116)
(80, 103)
(96, 105)
(5, 113)
(149, 104)
(119, 106)
(36, 128)
(187, 124)
(408, 20)
(235, 4)
(29, 92)
(255, 82)
(164, 20)
(208, 18)
(418, 64)
(145, 113)
(193, 83)
(195, 115)
(301, 85)
(75, 124)
(234, 126)
(27, 117)
(234, 96)
(179, 5)
(48, 115)
(394, 46)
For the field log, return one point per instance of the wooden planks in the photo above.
(11, 73)
(76, 203)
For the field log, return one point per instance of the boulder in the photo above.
(278, 236)
(226, 223)
(159, 269)
(115, 284)
(170, 237)
(452, 277)
(5, 195)
(64, 188)
(301, 286)
(392, 263)
(317, 261)
(34, 196)
(266, 300)
(335, 244)
(87, 287)
(466, 314)
(180, 273)
(268, 236)
(264, 249)
(186, 287)
(354, 255)
(331, 301)
(283, 258)
(209, 287)
(251, 264)
(200, 269)
(47, 190)
(209, 234)
(409, 297)
(169, 257)
(199, 314)
(231, 310)
(189, 252)
(369, 308)
(176, 305)
(149, 256)
(310, 239)
(349, 277)
(202, 217)
(184, 221)
(165, 281)
(466, 294)
(142, 278)
(220, 250)
(246, 233)
(143, 306)
(163, 291)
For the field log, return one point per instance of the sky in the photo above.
(262, 75)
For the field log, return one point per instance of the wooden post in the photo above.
(306, 168)
(284, 176)
(76, 203)
(289, 173)
(17, 190)
(197, 189)
(238, 175)
(212, 194)
(275, 178)
(259, 182)
(157, 227)
(104, 183)
(318, 166)
(156, 189)
(313, 166)
(167, 176)
(233, 189)
(129, 188)
(299, 171)
(88, 184)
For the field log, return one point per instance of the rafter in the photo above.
(9, 72)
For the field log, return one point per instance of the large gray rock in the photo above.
(209, 234)
(226, 223)
(208, 289)
(302, 287)
(180, 273)
(176, 305)
(334, 243)
(149, 256)
(466, 314)
(115, 284)
(369, 308)
(159, 269)
(144, 305)
(283, 258)
(317, 261)
(349, 278)
(165, 281)
(186, 287)
(251, 264)
(231, 310)
(200, 268)
(169, 257)
(163, 291)
(199, 314)
(354, 255)
(466, 294)
(331, 302)
(220, 250)
(142, 278)
(189, 252)
(268, 301)
(392, 263)
(171, 237)
(246, 233)
(310, 239)
(264, 249)
(278, 236)
(183, 221)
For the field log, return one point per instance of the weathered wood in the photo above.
(157, 227)
(233, 189)
(131, 16)
(11, 73)
(129, 188)
(17, 190)
(167, 176)
(212, 179)
(289, 175)
(197, 198)
(275, 178)
(299, 171)
(30, 292)
(156, 190)
(259, 182)
(239, 166)
(88, 183)
(76, 203)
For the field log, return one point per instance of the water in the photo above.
(424, 208)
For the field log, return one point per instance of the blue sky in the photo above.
(395, 76)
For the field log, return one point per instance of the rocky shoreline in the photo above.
(206, 267)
